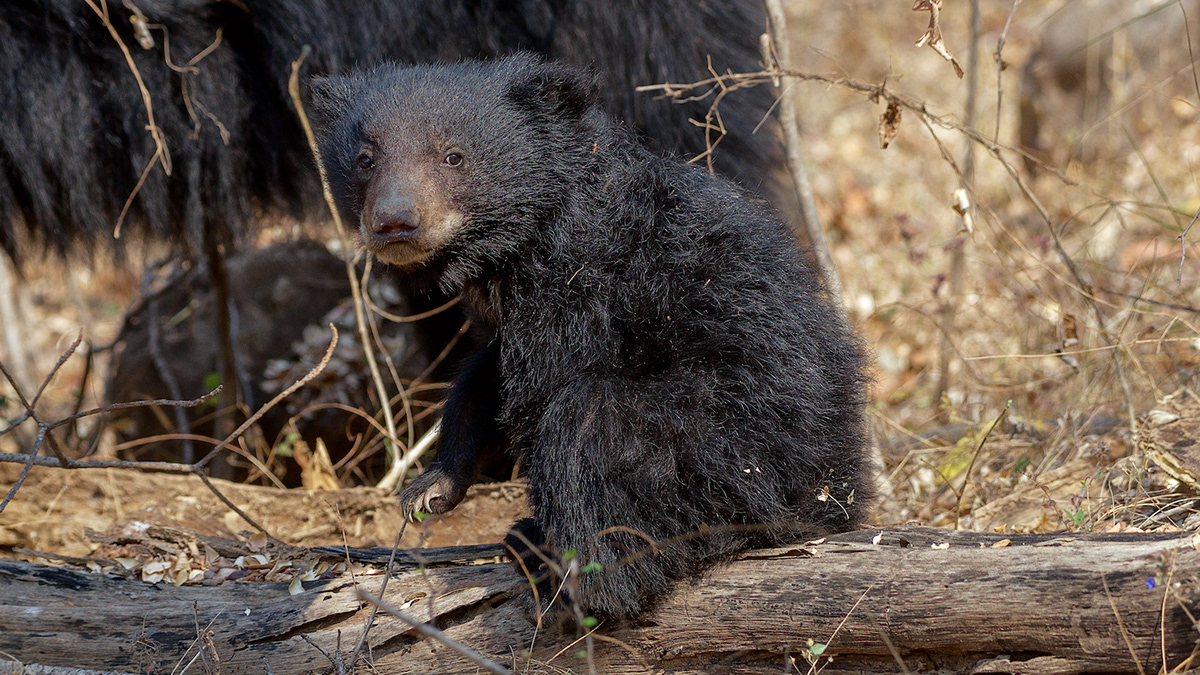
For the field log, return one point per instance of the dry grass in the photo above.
(894, 232)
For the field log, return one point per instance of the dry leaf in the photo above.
(962, 206)
(1157, 418)
(933, 34)
(258, 542)
(889, 124)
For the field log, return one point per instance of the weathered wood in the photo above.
(1067, 603)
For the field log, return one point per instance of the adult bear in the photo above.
(650, 341)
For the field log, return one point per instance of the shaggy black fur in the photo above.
(651, 343)
(73, 140)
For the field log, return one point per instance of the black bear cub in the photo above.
(651, 344)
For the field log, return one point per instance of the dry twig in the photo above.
(876, 92)
(430, 631)
(397, 469)
(161, 155)
(45, 431)
(778, 60)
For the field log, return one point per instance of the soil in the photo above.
(58, 509)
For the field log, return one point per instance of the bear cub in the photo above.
(650, 342)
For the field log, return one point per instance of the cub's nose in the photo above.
(396, 218)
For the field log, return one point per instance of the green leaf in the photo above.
(212, 381)
(288, 444)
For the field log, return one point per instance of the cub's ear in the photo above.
(330, 99)
(553, 87)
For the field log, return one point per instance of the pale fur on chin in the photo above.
(411, 255)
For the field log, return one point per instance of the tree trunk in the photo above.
(920, 600)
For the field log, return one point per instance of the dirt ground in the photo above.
(969, 325)
(65, 507)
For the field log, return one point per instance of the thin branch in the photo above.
(45, 435)
(962, 490)
(1121, 626)
(29, 462)
(387, 574)
(232, 507)
(1000, 67)
(181, 403)
(795, 155)
(875, 92)
(1183, 246)
(54, 371)
(275, 401)
(355, 289)
(813, 667)
(161, 155)
(396, 318)
(429, 631)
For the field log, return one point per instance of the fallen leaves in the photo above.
(196, 563)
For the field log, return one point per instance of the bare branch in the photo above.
(795, 155)
(161, 156)
(273, 402)
(355, 289)
(429, 631)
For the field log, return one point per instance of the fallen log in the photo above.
(894, 600)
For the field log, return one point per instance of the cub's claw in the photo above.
(434, 491)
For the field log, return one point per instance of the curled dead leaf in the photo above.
(889, 124)
(933, 34)
(1157, 418)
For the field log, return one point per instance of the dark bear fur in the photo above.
(650, 342)
(73, 141)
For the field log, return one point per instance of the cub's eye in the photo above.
(453, 159)
(365, 162)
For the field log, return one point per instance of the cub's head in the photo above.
(464, 160)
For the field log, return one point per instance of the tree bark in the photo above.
(920, 600)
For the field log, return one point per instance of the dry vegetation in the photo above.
(1065, 362)
(1119, 215)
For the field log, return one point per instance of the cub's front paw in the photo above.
(434, 491)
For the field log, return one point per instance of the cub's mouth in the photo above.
(399, 253)
(409, 241)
